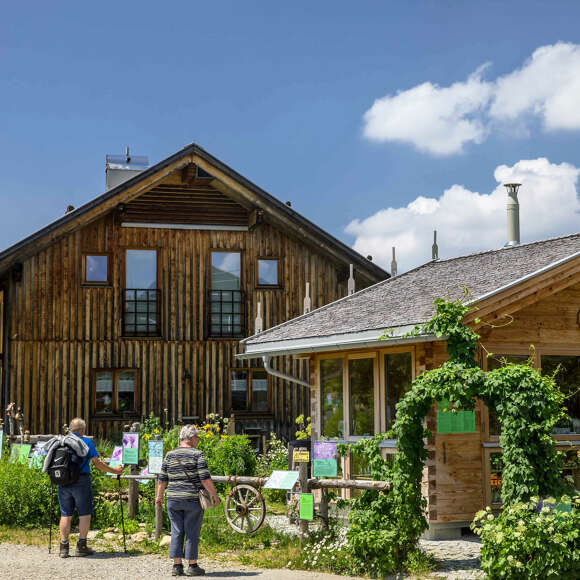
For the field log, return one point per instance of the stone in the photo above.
(165, 541)
(110, 536)
(92, 534)
(142, 525)
(139, 536)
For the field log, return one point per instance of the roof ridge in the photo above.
(505, 248)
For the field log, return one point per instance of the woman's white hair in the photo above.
(187, 432)
(77, 425)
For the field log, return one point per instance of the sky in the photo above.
(379, 120)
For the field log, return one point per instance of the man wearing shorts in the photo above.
(79, 495)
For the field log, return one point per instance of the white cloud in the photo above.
(548, 85)
(442, 120)
(468, 221)
(434, 119)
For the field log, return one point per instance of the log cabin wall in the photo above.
(61, 330)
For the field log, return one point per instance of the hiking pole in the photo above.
(122, 517)
(50, 519)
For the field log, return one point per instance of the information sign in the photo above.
(19, 453)
(306, 506)
(155, 456)
(282, 480)
(454, 422)
(324, 456)
(36, 460)
(301, 455)
(116, 458)
(130, 449)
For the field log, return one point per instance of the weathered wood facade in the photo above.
(61, 329)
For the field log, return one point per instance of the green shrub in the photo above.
(530, 540)
(25, 496)
(275, 458)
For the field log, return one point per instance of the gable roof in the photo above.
(406, 300)
(226, 180)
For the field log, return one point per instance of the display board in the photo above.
(282, 480)
(130, 449)
(155, 456)
(454, 422)
(116, 458)
(306, 506)
(36, 460)
(324, 456)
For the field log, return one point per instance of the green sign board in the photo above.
(324, 456)
(306, 506)
(130, 449)
(454, 422)
(19, 453)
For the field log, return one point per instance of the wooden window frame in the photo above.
(207, 299)
(279, 285)
(85, 282)
(249, 391)
(538, 353)
(160, 297)
(115, 414)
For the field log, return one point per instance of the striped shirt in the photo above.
(184, 469)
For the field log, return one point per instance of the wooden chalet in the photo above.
(135, 302)
(532, 292)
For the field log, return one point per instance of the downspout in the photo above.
(268, 368)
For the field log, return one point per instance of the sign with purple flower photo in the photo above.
(130, 448)
(116, 458)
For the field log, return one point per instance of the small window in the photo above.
(115, 392)
(96, 269)
(249, 390)
(268, 272)
(202, 173)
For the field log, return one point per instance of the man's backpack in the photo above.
(63, 469)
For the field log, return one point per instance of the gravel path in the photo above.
(26, 562)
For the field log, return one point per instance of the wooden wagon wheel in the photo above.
(245, 509)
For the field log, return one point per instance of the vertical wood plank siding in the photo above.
(61, 330)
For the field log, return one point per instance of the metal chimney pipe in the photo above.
(394, 264)
(513, 214)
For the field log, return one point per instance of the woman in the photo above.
(183, 472)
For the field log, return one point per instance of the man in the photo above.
(80, 494)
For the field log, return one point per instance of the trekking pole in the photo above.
(122, 517)
(50, 519)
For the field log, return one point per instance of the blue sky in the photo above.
(279, 91)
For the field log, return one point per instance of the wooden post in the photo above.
(303, 488)
(133, 493)
(323, 510)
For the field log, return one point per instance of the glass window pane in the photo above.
(96, 268)
(332, 400)
(141, 269)
(571, 471)
(361, 391)
(239, 387)
(126, 391)
(567, 377)
(398, 379)
(104, 392)
(225, 271)
(259, 391)
(268, 272)
(495, 362)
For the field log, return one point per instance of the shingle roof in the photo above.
(408, 298)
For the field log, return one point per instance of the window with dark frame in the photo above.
(566, 372)
(115, 392)
(398, 380)
(226, 298)
(249, 390)
(332, 405)
(96, 269)
(268, 272)
(142, 298)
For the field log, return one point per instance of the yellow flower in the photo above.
(224, 436)
(156, 431)
(146, 436)
(207, 426)
(207, 435)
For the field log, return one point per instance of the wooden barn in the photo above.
(135, 302)
(532, 292)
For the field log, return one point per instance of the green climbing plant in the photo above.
(385, 527)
